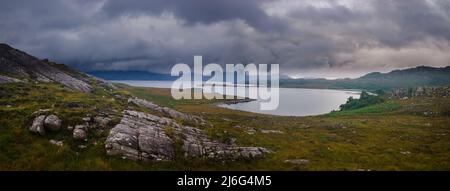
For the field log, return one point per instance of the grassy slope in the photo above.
(373, 138)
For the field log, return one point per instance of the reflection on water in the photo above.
(293, 101)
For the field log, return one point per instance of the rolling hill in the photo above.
(407, 78)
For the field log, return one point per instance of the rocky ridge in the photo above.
(146, 137)
(18, 66)
(402, 93)
(168, 112)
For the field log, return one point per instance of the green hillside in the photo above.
(408, 78)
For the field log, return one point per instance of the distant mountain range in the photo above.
(412, 77)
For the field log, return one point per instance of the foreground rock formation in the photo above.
(146, 137)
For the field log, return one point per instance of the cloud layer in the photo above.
(325, 38)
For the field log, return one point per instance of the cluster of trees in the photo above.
(364, 100)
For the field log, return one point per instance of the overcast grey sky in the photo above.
(308, 38)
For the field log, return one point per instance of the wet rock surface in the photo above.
(146, 137)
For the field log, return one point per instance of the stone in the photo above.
(6, 79)
(52, 123)
(70, 128)
(102, 122)
(399, 93)
(18, 63)
(248, 130)
(57, 143)
(168, 112)
(82, 146)
(265, 131)
(146, 137)
(340, 126)
(41, 111)
(405, 152)
(80, 133)
(420, 91)
(297, 161)
(86, 119)
(38, 125)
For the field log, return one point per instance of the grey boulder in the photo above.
(38, 125)
(80, 133)
(146, 137)
(52, 123)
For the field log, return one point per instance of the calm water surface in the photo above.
(293, 101)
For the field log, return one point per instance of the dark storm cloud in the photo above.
(417, 19)
(199, 11)
(329, 38)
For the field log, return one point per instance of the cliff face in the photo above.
(17, 65)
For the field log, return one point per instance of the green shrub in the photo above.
(364, 100)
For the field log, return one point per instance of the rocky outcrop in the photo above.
(97, 123)
(168, 112)
(146, 137)
(399, 93)
(421, 92)
(432, 91)
(43, 123)
(24, 66)
(6, 79)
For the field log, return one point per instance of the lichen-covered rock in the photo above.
(38, 125)
(141, 136)
(52, 123)
(80, 133)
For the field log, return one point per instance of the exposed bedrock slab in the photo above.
(141, 136)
